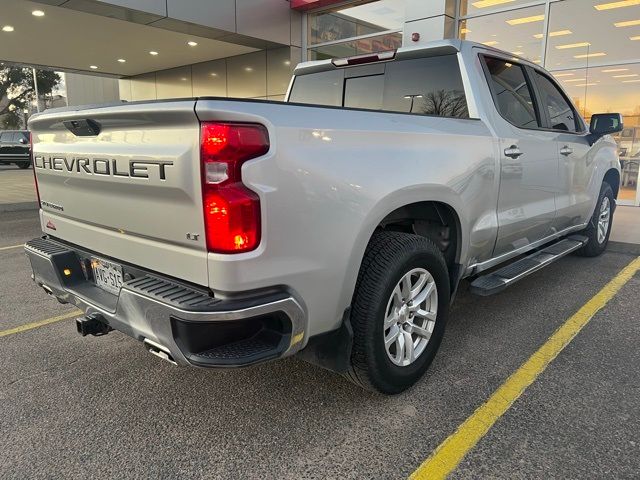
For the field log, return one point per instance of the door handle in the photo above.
(513, 152)
(566, 151)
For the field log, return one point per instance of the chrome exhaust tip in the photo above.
(159, 351)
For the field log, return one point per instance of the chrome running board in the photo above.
(506, 276)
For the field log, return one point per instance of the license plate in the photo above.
(107, 275)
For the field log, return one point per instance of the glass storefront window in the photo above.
(481, 7)
(353, 21)
(517, 31)
(613, 88)
(390, 41)
(594, 35)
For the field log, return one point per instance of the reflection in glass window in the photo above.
(323, 88)
(512, 93)
(482, 7)
(612, 88)
(560, 112)
(591, 36)
(431, 86)
(364, 92)
(518, 31)
(381, 43)
(344, 23)
(428, 86)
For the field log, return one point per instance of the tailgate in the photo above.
(132, 192)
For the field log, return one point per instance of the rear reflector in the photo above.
(231, 210)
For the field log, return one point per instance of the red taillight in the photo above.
(33, 165)
(231, 210)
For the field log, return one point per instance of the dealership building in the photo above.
(153, 49)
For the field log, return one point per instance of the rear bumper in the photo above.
(188, 323)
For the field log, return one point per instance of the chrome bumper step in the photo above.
(506, 276)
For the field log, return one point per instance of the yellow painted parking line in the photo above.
(450, 453)
(41, 323)
(12, 246)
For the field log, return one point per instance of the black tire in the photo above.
(595, 247)
(389, 256)
(23, 165)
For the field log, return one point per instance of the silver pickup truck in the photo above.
(337, 225)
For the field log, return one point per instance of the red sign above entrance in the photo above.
(309, 4)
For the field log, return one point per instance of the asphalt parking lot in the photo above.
(73, 407)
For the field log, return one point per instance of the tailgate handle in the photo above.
(84, 127)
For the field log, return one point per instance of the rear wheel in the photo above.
(399, 311)
(599, 227)
(23, 165)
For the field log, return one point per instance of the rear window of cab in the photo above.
(425, 86)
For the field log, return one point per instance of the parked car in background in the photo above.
(15, 147)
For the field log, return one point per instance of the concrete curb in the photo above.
(18, 207)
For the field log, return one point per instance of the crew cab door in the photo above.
(576, 166)
(528, 158)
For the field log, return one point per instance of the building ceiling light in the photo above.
(563, 74)
(8, 28)
(490, 3)
(37, 13)
(610, 70)
(93, 67)
(590, 55)
(191, 43)
(153, 52)
(464, 30)
(573, 45)
(631, 81)
(628, 23)
(558, 33)
(574, 80)
(520, 21)
(491, 43)
(610, 5)
(214, 74)
(626, 76)
(637, 37)
(537, 61)
(517, 53)
(121, 60)
(184, 79)
(248, 69)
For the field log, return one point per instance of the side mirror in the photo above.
(604, 124)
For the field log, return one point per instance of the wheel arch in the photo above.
(391, 209)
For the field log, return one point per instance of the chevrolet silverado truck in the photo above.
(337, 225)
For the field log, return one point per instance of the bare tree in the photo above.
(445, 103)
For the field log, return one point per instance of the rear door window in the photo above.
(511, 93)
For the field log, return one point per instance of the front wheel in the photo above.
(399, 311)
(599, 227)
(23, 165)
